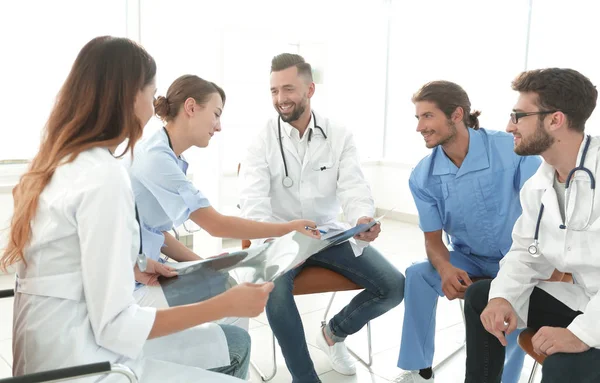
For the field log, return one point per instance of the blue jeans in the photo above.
(238, 341)
(423, 287)
(384, 289)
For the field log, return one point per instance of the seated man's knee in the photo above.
(477, 295)
(419, 269)
(392, 288)
(284, 285)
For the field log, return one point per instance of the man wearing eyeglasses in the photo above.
(559, 229)
(468, 187)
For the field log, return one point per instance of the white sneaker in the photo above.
(413, 377)
(338, 355)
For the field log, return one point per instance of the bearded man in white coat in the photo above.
(559, 229)
(303, 165)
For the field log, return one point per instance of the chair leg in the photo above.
(370, 349)
(533, 372)
(124, 370)
(369, 339)
(459, 348)
(328, 308)
(264, 377)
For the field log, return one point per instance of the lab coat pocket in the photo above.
(327, 181)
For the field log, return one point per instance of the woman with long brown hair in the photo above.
(74, 237)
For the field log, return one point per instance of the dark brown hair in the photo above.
(186, 86)
(288, 60)
(448, 96)
(94, 108)
(560, 89)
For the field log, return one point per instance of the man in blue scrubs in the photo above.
(469, 188)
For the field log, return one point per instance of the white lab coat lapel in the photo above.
(544, 180)
(551, 208)
(288, 148)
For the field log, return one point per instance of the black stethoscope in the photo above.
(287, 180)
(142, 260)
(534, 249)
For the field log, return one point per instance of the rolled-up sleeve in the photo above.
(107, 231)
(158, 172)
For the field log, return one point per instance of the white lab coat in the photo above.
(567, 250)
(316, 194)
(74, 301)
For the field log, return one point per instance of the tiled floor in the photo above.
(403, 244)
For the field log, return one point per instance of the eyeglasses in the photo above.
(515, 116)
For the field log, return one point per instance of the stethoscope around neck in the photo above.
(142, 260)
(287, 181)
(534, 249)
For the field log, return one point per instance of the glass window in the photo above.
(480, 45)
(565, 34)
(40, 41)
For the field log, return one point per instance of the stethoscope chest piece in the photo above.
(533, 249)
(142, 262)
(287, 182)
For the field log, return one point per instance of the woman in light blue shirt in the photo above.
(166, 198)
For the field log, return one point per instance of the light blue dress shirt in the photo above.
(477, 204)
(164, 195)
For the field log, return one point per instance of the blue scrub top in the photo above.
(164, 196)
(477, 204)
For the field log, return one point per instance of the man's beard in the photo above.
(536, 144)
(298, 111)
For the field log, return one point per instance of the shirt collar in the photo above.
(476, 159)
(165, 134)
(288, 128)
(168, 137)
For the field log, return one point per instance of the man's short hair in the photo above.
(288, 60)
(560, 89)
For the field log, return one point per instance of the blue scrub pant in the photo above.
(422, 289)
